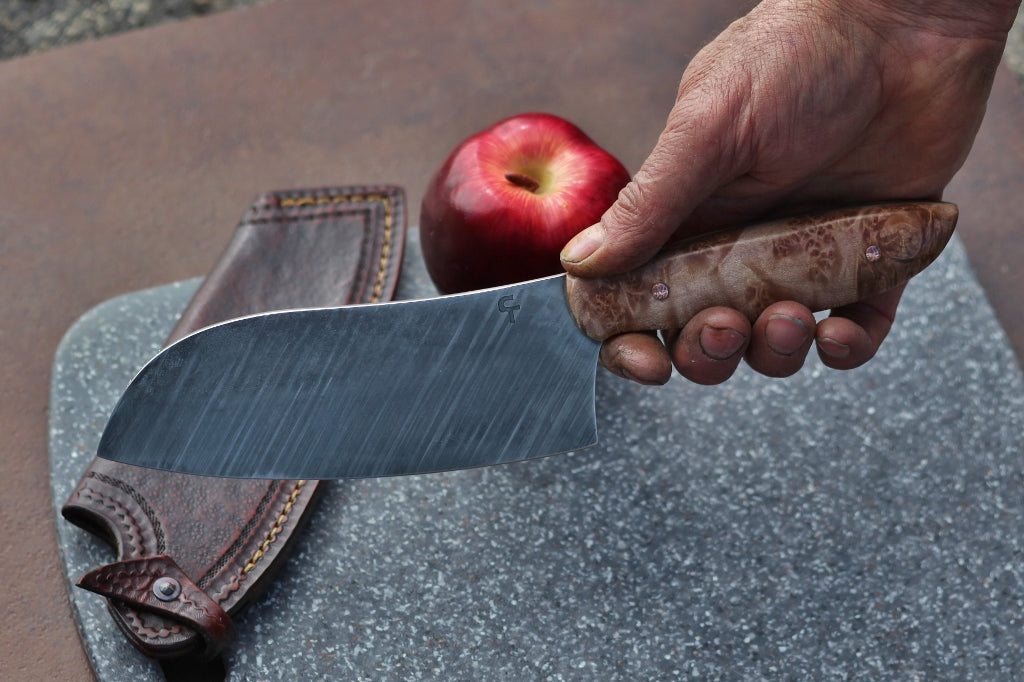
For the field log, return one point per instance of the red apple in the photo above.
(507, 199)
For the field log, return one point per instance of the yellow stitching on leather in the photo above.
(275, 529)
(385, 253)
(375, 294)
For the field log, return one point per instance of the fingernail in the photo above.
(833, 348)
(583, 245)
(720, 343)
(784, 334)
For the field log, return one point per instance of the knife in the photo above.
(480, 378)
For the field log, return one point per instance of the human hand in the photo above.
(801, 104)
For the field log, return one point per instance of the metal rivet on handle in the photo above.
(166, 589)
(873, 253)
(660, 291)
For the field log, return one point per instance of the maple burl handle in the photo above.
(823, 261)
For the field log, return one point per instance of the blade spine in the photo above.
(378, 304)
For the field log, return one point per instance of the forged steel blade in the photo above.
(371, 390)
(483, 378)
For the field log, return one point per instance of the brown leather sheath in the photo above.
(194, 551)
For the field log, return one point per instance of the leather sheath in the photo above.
(194, 551)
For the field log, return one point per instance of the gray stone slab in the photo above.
(835, 525)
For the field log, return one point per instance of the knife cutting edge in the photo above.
(480, 378)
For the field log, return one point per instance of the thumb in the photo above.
(690, 161)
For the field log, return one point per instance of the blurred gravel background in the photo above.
(28, 26)
(1015, 46)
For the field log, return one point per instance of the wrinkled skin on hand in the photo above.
(801, 104)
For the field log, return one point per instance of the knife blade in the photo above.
(480, 378)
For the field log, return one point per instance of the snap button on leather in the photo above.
(166, 589)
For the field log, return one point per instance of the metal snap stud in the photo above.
(166, 589)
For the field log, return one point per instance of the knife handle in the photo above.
(823, 261)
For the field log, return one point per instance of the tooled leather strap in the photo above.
(156, 584)
(292, 249)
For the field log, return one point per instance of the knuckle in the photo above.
(632, 223)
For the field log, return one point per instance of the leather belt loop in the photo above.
(159, 586)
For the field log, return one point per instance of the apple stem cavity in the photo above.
(524, 181)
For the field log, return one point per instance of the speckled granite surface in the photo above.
(866, 525)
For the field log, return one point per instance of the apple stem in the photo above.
(524, 181)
